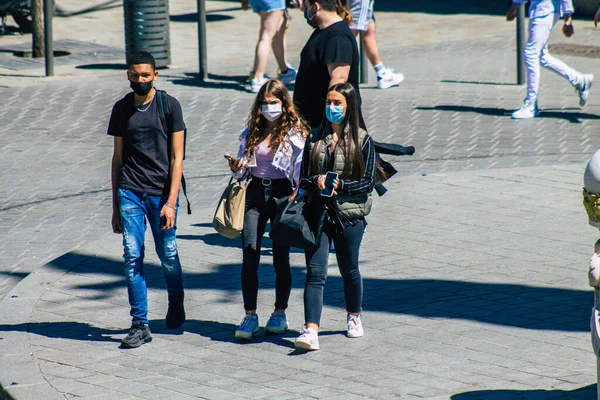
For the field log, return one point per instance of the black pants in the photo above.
(347, 247)
(258, 212)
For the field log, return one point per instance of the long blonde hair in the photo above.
(290, 119)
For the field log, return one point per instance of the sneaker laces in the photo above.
(305, 332)
(278, 316)
(353, 321)
(135, 328)
(528, 103)
(246, 320)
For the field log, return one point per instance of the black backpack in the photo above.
(165, 118)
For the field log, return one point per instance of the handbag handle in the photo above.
(292, 195)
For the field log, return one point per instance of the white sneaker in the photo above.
(256, 85)
(388, 79)
(308, 339)
(529, 109)
(584, 90)
(288, 77)
(355, 328)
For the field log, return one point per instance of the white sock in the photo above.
(379, 68)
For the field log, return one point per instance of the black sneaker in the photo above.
(139, 333)
(176, 313)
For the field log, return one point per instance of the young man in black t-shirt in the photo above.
(147, 167)
(330, 56)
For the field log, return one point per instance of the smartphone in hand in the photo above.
(330, 178)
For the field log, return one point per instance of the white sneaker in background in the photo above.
(388, 79)
(529, 109)
(584, 89)
(256, 85)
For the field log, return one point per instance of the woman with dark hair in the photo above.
(269, 153)
(343, 147)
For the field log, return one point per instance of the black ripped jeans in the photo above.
(258, 212)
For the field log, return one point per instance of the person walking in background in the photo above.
(339, 146)
(146, 171)
(272, 34)
(363, 20)
(330, 56)
(269, 152)
(543, 15)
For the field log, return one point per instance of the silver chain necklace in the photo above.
(140, 109)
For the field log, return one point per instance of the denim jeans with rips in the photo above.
(137, 208)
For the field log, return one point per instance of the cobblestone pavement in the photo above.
(474, 262)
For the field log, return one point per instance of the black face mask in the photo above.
(141, 88)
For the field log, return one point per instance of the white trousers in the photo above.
(536, 53)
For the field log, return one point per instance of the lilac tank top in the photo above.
(264, 164)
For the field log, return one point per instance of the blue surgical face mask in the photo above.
(335, 114)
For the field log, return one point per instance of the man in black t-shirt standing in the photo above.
(147, 166)
(330, 56)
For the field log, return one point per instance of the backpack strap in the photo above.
(165, 118)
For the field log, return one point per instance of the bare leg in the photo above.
(280, 44)
(369, 43)
(269, 23)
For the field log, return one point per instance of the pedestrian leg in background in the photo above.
(536, 53)
(285, 72)
(364, 21)
(581, 82)
(270, 23)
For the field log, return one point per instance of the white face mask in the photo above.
(271, 111)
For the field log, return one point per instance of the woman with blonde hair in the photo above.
(269, 153)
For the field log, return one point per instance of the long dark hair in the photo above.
(349, 142)
(290, 119)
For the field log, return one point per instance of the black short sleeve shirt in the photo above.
(336, 43)
(146, 154)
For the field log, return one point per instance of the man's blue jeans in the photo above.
(135, 209)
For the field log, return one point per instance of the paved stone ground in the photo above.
(474, 263)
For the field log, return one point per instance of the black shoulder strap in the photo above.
(165, 118)
(163, 110)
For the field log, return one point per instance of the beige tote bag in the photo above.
(229, 217)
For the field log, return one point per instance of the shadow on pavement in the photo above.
(193, 17)
(587, 392)
(4, 395)
(19, 275)
(505, 304)
(211, 84)
(225, 332)
(479, 83)
(107, 5)
(215, 239)
(572, 117)
(66, 330)
(484, 7)
(110, 66)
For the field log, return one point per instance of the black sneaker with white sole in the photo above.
(139, 333)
